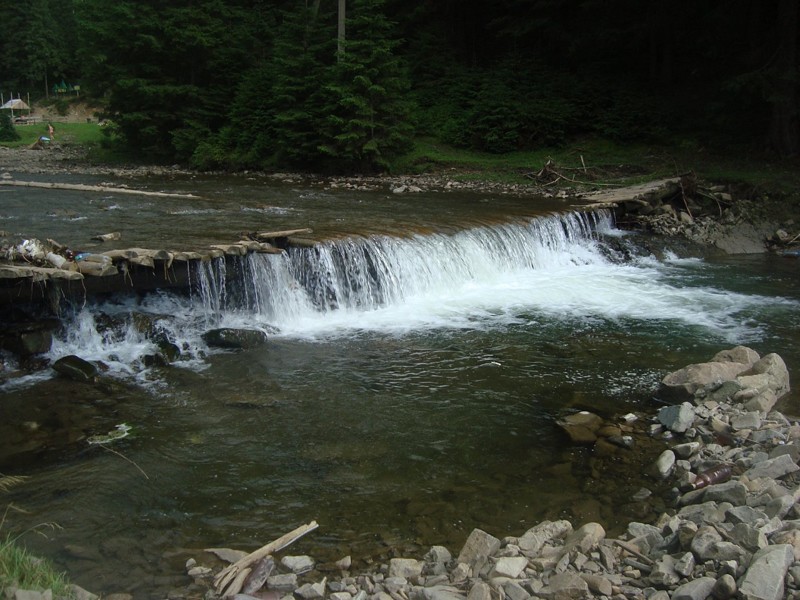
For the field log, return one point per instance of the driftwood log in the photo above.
(230, 580)
(80, 187)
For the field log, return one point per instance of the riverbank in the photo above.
(741, 213)
(732, 529)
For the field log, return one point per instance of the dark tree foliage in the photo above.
(256, 82)
(367, 110)
(168, 71)
(37, 45)
(7, 131)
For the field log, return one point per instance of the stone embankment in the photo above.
(733, 530)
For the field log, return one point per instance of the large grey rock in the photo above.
(514, 591)
(566, 586)
(584, 539)
(724, 588)
(311, 591)
(235, 339)
(477, 549)
(480, 591)
(282, 583)
(509, 566)
(536, 537)
(731, 491)
(773, 468)
(683, 383)
(407, 568)
(748, 537)
(677, 418)
(438, 554)
(442, 592)
(663, 574)
(298, 564)
(738, 354)
(764, 579)
(696, 589)
(665, 463)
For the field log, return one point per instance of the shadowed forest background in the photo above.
(274, 84)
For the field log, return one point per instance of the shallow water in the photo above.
(408, 392)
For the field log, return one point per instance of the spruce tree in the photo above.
(7, 131)
(367, 109)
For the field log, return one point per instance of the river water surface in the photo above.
(418, 359)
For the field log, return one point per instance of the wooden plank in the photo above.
(81, 187)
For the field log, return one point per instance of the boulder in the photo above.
(407, 568)
(682, 384)
(75, 368)
(584, 539)
(696, 589)
(677, 418)
(234, 339)
(566, 586)
(773, 468)
(532, 540)
(581, 427)
(764, 578)
(477, 549)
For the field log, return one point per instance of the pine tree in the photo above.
(367, 106)
(7, 131)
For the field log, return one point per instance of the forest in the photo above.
(349, 85)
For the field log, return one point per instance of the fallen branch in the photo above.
(229, 581)
(80, 187)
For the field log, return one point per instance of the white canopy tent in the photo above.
(15, 104)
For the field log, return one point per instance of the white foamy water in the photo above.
(551, 268)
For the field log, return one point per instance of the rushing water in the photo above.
(407, 394)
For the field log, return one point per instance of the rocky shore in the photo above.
(733, 530)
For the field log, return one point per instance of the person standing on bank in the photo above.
(51, 131)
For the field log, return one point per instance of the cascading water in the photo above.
(407, 392)
(366, 274)
(558, 265)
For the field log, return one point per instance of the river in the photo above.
(417, 362)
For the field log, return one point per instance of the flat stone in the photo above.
(565, 586)
(234, 339)
(536, 537)
(697, 589)
(442, 592)
(764, 578)
(514, 591)
(509, 566)
(730, 491)
(282, 583)
(773, 468)
(298, 564)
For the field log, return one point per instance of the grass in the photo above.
(81, 134)
(19, 568)
(598, 160)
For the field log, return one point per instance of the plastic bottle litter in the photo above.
(719, 474)
(56, 260)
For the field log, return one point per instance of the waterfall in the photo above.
(363, 274)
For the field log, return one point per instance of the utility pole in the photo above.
(341, 32)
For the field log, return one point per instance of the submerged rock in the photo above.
(235, 339)
(75, 368)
